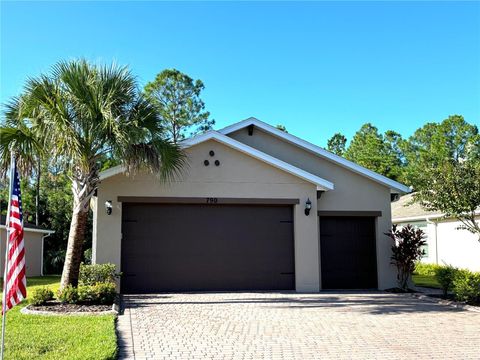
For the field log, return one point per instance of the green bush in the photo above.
(98, 273)
(426, 269)
(466, 287)
(41, 296)
(104, 293)
(100, 293)
(445, 276)
(68, 295)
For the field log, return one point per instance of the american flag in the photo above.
(15, 281)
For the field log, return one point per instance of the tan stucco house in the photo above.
(256, 209)
(448, 243)
(34, 237)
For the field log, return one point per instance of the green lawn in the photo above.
(58, 337)
(426, 281)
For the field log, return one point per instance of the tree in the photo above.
(369, 149)
(453, 188)
(73, 117)
(432, 145)
(281, 128)
(406, 250)
(336, 144)
(176, 97)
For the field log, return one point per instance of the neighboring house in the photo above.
(446, 243)
(239, 219)
(34, 237)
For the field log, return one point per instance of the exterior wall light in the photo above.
(108, 207)
(308, 207)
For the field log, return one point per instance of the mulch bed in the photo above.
(58, 307)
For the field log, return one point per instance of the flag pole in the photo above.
(7, 227)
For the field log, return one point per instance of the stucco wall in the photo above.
(33, 252)
(449, 245)
(352, 191)
(238, 176)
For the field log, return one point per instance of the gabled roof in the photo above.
(321, 184)
(407, 209)
(317, 150)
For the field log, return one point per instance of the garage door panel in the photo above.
(348, 252)
(203, 247)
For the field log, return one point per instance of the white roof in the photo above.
(321, 184)
(317, 150)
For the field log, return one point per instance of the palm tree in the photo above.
(74, 117)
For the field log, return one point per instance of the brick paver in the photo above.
(372, 325)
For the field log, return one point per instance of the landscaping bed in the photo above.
(58, 307)
(58, 337)
(460, 286)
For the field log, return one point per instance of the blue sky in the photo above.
(317, 68)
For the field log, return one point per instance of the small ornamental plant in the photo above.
(41, 296)
(406, 251)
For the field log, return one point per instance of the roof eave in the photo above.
(321, 183)
(393, 185)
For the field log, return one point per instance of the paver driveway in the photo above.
(372, 325)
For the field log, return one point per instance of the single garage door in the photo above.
(348, 252)
(179, 247)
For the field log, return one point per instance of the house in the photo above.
(446, 243)
(256, 209)
(34, 237)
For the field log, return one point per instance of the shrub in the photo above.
(104, 293)
(426, 269)
(100, 293)
(466, 286)
(406, 250)
(68, 295)
(445, 276)
(98, 273)
(41, 296)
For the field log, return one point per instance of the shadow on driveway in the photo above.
(374, 302)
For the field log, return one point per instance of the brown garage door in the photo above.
(182, 247)
(348, 252)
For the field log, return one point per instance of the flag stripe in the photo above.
(14, 285)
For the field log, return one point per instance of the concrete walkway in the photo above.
(367, 325)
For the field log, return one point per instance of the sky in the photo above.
(316, 67)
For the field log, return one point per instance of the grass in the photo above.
(426, 281)
(58, 337)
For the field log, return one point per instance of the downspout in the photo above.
(41, 259)
(436, 238)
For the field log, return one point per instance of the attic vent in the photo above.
(250, 130)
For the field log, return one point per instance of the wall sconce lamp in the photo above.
(308, 207)
(108, 207)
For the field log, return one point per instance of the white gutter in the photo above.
(42, 231)
(435, 225)
(414, 218)
(426, 217)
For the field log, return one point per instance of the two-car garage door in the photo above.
(200, 247)
(193, 247)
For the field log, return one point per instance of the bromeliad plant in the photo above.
(73, 118)
(406, 250)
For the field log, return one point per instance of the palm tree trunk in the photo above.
(83, 187)
(73, 258)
